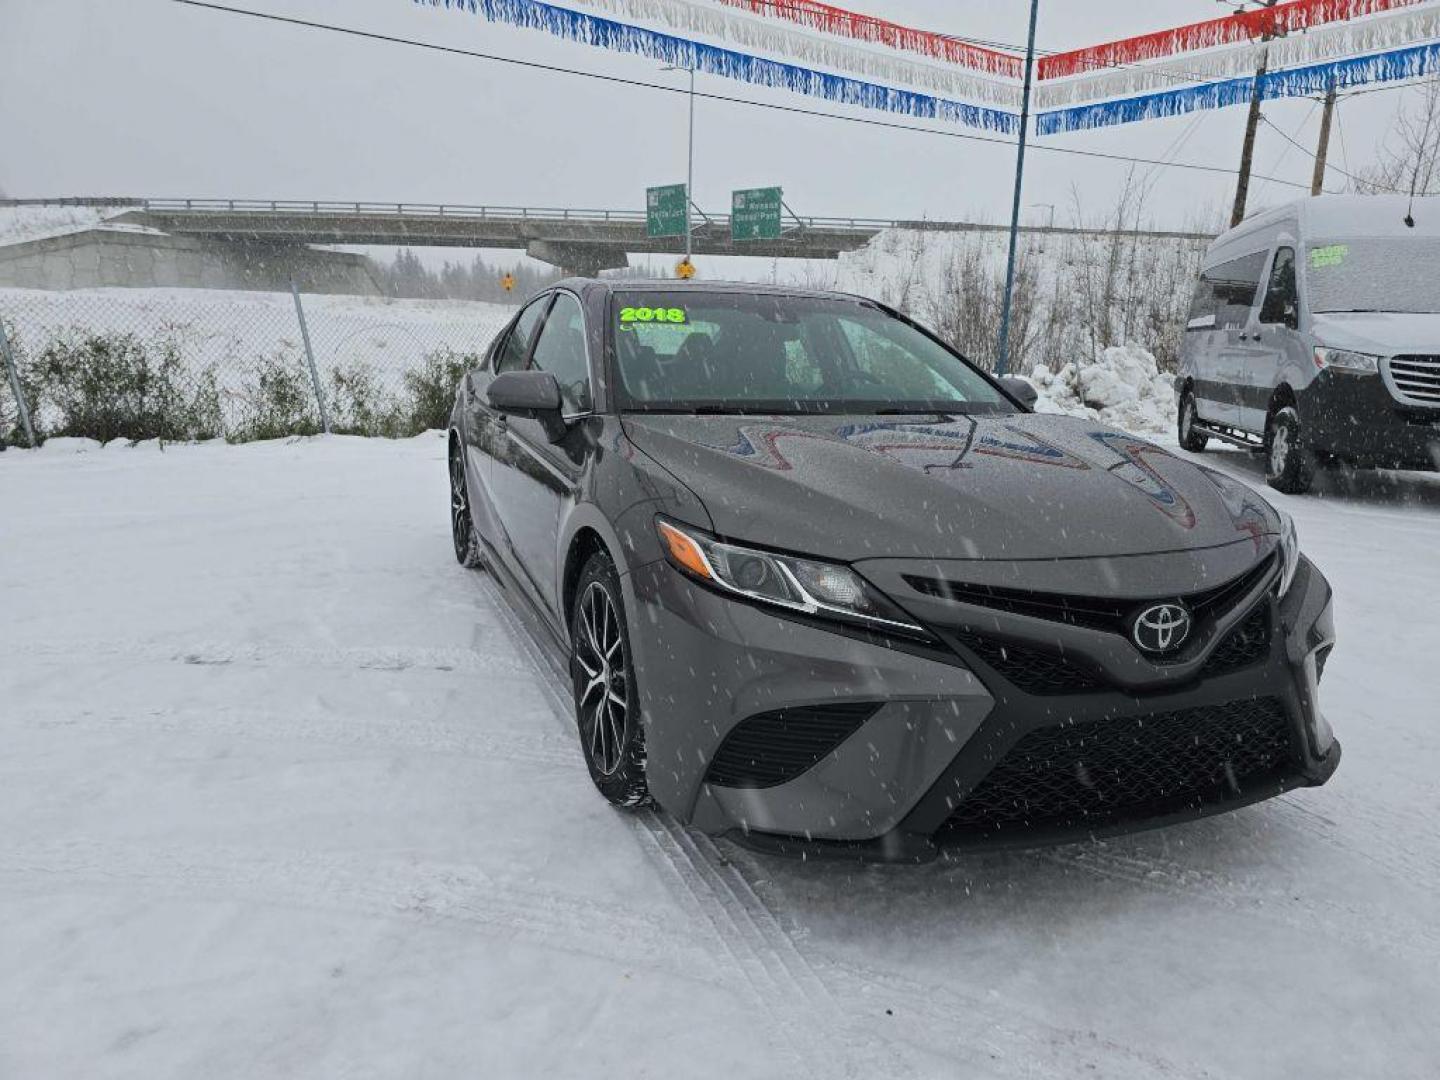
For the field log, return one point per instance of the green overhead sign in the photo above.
(755, 214)
(665, 210)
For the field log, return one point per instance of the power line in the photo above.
(452, 50)
(1329, 165)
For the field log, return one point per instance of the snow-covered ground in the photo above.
(285, 795)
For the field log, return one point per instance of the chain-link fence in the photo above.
(180, 364)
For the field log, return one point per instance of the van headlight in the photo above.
(804, 585)
(1355, 363)
(1289, 553)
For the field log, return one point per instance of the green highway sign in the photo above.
(755, 214)
(665, 210)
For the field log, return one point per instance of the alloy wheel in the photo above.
(603, 699)
(1279, 449)
(460, 524)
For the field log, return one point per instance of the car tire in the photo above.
(602, 673)
(1191, 438)
(1289, 463)
(462, 523)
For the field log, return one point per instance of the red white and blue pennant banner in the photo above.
(720, 60)
(843, 56)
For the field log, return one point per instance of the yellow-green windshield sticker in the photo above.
(645, 315)
(1331, 255)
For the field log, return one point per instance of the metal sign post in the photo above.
(1002, 362)
(755, 213)
(15, 386)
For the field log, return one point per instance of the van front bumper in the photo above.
(1355, 419)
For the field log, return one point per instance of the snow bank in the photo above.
(1123, 387)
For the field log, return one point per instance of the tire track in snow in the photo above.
(1303, 914)
(391, 658)
(415, 891)
(806, 997)
(414, 731)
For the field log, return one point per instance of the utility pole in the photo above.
(1002, 362)
(1317, 182)
(1247, 149)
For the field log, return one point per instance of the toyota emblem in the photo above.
(1160, 629)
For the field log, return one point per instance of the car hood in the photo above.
(1021, 486)
(1385, 333)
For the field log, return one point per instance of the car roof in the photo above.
(616, 285)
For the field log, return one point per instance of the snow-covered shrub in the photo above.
(431, 387)
(279, 402)
(114, 385)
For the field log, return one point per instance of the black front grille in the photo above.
(775, 747)
(1096, 613)
(1036, 671)
(1127, 768)
(1248, 643)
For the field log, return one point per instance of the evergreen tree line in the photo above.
(406, 276)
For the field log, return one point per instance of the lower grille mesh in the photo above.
(775, 747)
(1098, 772)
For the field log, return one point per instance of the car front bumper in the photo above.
(897, 787)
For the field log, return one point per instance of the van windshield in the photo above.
(1391, 274)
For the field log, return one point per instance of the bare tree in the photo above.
(1408, 161)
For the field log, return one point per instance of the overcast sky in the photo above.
(148, 97)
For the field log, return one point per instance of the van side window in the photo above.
(1233, 286)
(1282, 297)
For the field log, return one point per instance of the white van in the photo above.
(1314, 336)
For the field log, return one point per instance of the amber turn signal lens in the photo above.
(684, 551)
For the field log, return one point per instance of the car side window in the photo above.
(1282, 296)
(560, 350)
(511, 354)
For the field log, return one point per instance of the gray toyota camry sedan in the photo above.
(823, 585)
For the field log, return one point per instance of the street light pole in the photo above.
(1003, 360)
(690, 171)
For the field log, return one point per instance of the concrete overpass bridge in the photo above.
(581, 241)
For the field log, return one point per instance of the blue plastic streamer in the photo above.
(1407, 63)
(727, 63)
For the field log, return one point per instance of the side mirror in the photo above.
(532, 395)
(1021, 390)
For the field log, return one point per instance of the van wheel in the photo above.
(1289, 464)
(1191, 437)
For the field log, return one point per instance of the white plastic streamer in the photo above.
(729, 63)
(762, 35)
(1293, 50)
(1409, 63)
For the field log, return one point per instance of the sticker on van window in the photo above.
(645, 314)
(1333, 255)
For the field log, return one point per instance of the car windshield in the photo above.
(1398, 274)
(773, 353)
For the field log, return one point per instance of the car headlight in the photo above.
(1355, 363)
(1289, 552)
(803, 585)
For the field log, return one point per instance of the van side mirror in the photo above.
(1021, 390)
(531, 395)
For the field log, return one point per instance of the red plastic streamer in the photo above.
(838, 21)
(1228, 30)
